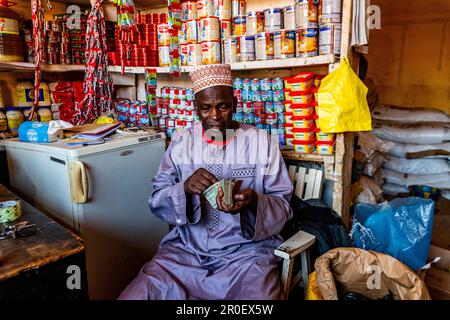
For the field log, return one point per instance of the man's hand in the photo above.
(242, 200)
(199, 181)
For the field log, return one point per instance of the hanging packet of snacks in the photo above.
(150, 94)
(127, 23)
(37, 16)
(98, 85)
(174, 20)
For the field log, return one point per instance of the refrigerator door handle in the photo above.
(79, 184)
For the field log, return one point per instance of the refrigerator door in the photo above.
(119, 230)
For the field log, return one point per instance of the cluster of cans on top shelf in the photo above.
(306, 28)
(261, 103)
(64, 43)
(175, 109)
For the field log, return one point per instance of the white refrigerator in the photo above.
(101, 193)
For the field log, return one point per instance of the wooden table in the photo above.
(35, 267)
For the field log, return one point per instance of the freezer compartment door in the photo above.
(119, 230)
(42, 178)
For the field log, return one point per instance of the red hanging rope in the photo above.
(37, 16)
(98, 85)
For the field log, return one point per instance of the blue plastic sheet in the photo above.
(401, 228)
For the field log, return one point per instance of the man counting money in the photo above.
(225, 187)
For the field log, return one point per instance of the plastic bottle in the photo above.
(3, 121)
(11, 49)
(44, 95)
(25, 93)
(45, 115)
(26, 112)
(14, 118)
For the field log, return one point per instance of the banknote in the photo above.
(229, 188)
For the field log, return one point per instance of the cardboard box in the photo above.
(438, 276)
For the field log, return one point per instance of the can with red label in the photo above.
(189, 10)
(209, 29)
(194, 55)
(210, 52)
(226, 29)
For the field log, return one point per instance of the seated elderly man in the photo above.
(222, 250)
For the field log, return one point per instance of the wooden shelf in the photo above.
(250, 65)
(290, 154)
(27, 66)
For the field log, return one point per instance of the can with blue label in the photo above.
(237, 83)
(277, 84)
(265, 84)
(278, 106)
(280, 118)
(249, 118)
(267, 95)
(254, 85)
(268, 107)
(278, 95)
(245, 94)
(247, 107)
(246, 83)
(257, 95)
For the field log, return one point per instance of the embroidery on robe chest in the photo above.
(214, 163)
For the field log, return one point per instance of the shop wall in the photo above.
(409, 58)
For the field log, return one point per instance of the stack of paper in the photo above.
(90, 134)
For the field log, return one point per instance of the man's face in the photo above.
(215, 106)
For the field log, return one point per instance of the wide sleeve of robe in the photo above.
(273, 208)
(168, 200)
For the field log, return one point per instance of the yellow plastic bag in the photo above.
(342, 102)
(313, 291)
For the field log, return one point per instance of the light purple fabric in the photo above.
(211, 254)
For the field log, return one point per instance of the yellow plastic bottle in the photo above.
(26, 112)
(45, 115)
(11, 49)
(15, 119)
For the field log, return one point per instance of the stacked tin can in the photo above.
(330, 26)
(150, 95)
(301, 127)
(175, 109)
(77, 37)
(143, 50)
(307, 33)
(57, 42)
(132, 113)
(261, 103)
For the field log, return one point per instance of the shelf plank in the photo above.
(290, 154)
(284, 63)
